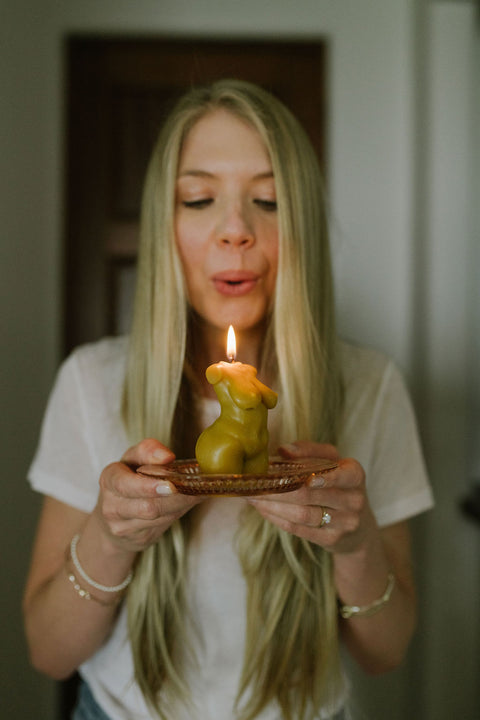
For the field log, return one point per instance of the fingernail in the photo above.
(161, 454)
(163, 489)
(317, 481)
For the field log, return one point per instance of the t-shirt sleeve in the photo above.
(399, 486)
(380, 431)
(64, 466)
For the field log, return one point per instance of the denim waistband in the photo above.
(87, 707)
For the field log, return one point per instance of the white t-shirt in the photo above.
(82, 432)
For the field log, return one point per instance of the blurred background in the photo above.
(389, 91)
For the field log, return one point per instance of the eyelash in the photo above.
(267, 205)
(197, 204)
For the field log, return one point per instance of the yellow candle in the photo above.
(237, 442)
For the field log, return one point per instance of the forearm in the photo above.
(64, 628)
(379, 642)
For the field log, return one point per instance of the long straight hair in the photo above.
(291, 654)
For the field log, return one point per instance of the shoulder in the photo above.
(375, 389)
(379, 429)
(361, 360)
(103, 358)
(365, 370)
(108, 351)
(94, 371)
(82, 429)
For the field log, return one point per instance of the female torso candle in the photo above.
(237, 441)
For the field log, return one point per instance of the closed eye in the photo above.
(268, 205)
(197, 204)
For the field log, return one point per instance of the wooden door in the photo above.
(117, 93)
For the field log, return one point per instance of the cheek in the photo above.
(273, 256)
(193, 258)
(272, 281)
(190, 266)
(271, 277)
(188, 247)
(192, 232)
(182, 237)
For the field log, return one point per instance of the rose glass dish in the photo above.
(281, 476)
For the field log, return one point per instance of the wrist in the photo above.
(368, 548)
(103, 559)
(349, 611)
(118, 588)
(97, 532)
(361, 576)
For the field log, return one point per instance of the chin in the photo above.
(243, 316)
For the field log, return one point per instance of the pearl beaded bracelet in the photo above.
(88, 579)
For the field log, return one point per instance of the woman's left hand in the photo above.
(332, 510)
(363, 553)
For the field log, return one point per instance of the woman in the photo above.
(237, 606)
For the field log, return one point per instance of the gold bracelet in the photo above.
(86, 595)
(348, 611)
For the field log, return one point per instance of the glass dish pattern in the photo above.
(281, 476)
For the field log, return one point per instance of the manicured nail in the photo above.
(163, 489)
(161, 454)
(317, 481)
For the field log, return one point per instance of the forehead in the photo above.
(221, 133)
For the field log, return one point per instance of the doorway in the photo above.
(118, 92)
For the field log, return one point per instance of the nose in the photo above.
(235, 229)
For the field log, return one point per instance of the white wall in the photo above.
(30, 217)
(450, 321)
(388, 93)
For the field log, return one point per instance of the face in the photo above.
(226, 222)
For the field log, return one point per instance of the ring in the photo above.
(326, 518)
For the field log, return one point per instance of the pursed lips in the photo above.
(235, 282)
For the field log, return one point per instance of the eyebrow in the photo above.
(204, 173)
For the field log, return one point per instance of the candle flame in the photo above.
(231, 344)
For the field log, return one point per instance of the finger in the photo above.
(307, 448)
(293, 514)
(339, 496)
(328, 535)
(352, 500)
(148, 452)
(325, 536)
(124, 482)
(348, 475)
(141, 532)
(149, 510)
(299, 497)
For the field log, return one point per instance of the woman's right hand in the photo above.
(131, 513)
(135, 510)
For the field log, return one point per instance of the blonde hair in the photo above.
(291, 651)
